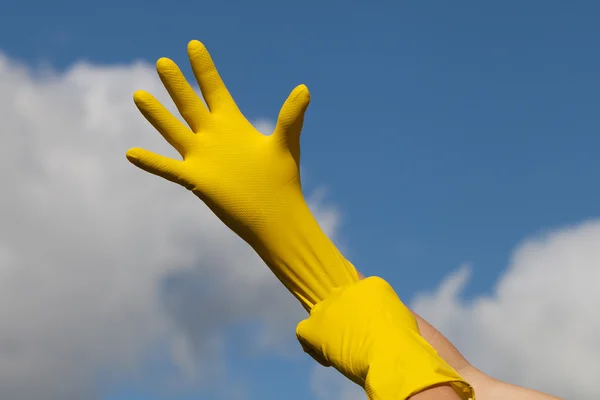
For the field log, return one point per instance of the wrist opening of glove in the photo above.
(399, 372)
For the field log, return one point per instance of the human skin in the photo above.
(442, 392)
(486, 387)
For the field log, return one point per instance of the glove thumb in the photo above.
(291, 119)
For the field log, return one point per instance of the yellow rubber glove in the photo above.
(249, 180)
(368, 334)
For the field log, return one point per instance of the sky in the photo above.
(451, 149)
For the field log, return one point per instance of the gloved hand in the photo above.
(368, 334)
(249, 180)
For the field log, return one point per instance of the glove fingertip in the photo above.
(195, 47)
(300, 96)
(141, 97)
(135, 156)
(132, 157)
(164, 63)
(291, 115)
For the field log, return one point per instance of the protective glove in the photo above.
(249, 180)
(368, 334)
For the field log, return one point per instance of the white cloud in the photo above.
(541, 326)
(99, 261)
(264, 126)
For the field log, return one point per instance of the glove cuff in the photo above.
(300, 254)
(410, 368)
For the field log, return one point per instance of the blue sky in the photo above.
(445, 134)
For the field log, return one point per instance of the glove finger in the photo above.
(173, 130)
(187, 101)
(291, 116)
(168, 168)
(213, 89)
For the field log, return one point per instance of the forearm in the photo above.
(308, 249)
(442, 392)
(502, 391)
(442, 345)
(486, 387)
